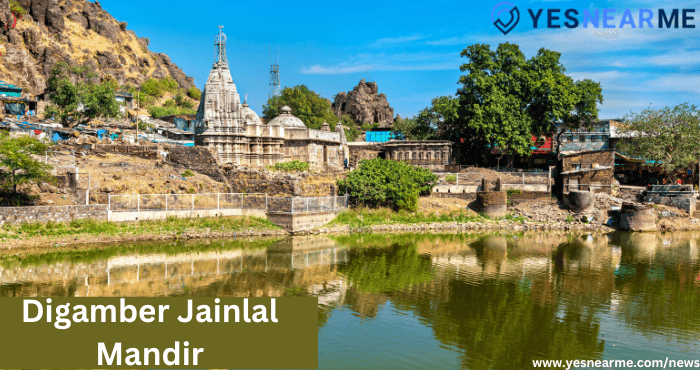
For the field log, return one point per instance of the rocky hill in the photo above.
(364, 105)
(77, 32)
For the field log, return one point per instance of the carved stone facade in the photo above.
(430, 154)
(236, 135)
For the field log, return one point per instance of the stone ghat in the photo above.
(16, 215)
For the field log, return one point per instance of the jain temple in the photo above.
(237, 135)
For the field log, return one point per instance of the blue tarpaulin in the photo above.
(57, 137)
(100, 133)
(14, 109)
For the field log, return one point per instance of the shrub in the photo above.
(194, 93)
(151, 87)
(293, 166)
(157, 112)
(187, 173)
(17, 9)
(451, 178)
(382, 182)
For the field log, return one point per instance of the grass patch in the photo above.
(361, 217)
(292, 166)
(156, 227)
(187, 173)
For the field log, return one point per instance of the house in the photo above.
(588, 171)
(9, 90)
(125, 100)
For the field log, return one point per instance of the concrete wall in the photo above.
(16, 215)
(301, 221)
(162, 215)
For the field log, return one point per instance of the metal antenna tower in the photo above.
(221, 48)
(275, 87)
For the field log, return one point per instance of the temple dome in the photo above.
(286, 119)
(249, 115)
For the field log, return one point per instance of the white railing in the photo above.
(307, 204)
(216, 201)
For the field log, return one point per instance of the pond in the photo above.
(472, 301)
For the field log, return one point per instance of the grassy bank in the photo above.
(171, 227)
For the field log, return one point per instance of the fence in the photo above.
(215, 201)
(306, 204)
(508, 178)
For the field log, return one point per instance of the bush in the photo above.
(187, 173)
(293, 166)
(17, 9)
(194, 93)
(157, 112)
(382, 182)
(451, 178)
(151, 87)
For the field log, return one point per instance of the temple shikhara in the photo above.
(237, 135)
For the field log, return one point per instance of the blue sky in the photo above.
(411, 49)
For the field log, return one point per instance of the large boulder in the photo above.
(365, 105)
(54, 20)
(38, 10)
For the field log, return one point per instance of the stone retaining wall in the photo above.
(16, 215)
(684, 202)
(280, 184)
(526, 196)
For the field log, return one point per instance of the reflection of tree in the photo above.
(373, 270)
(659, 289)
(502, 323)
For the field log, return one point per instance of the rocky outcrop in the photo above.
(365, 105)
(57, 31)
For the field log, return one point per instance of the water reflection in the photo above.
(488, 301)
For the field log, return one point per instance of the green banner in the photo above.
(178, 333)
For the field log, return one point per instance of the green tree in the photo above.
(17, 167)
(506, 98)
(434, 122)
(667, 136)
(76, 98)
(383, 182)
(306, 105)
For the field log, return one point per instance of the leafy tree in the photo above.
(17, 167)
(77, 98)
(506, 98)
(383, 182)
(667, 136)
(306, 105)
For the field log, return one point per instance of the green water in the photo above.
(474, 301)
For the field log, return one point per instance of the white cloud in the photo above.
(387, 41)
(419, 61)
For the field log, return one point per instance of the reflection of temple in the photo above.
(236, 135)
(236, 272)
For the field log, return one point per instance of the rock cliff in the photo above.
(77, 32)
(364, 105)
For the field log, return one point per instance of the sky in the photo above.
(412, 49)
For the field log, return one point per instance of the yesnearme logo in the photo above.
(556, 18)
(511, 9)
